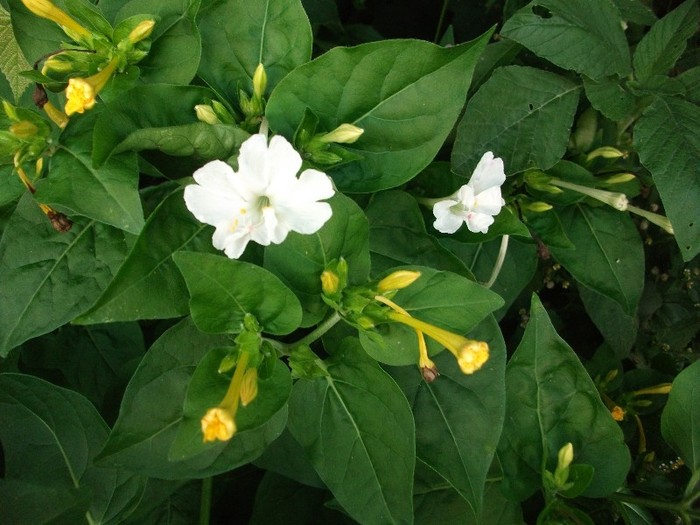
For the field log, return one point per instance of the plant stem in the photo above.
(499, 261)
(205, 502)
(319, 331)
(672, 506)
(441, 20)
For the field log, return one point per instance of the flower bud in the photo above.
(206, 114)
(46, 9)
(620, 178)
(56, 65)
(142, 31)
(249, 386)
(326, 158)
(23, 129)
(659, 220)
(259, 82)
(397, 280)
(227, 363)
(536, 207)
(330, 282)
(565, 456)
(343, 134)
(606, 152)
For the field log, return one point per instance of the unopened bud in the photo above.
(206, 114)
(259, 81)
(227, 363)
(620, 178)
(330, 282)
(537, 207)
(397, 280)
(343, 134)
(56, 65)
(663, 388)
(142, 31)
(606, 152)
(23, 129)
(565, 455)
(326, 158)
(249, 386)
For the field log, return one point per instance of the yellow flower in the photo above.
(618, 413)
(218, 423)
(397, 280)
(472, 356)
(141, 31)
(46, 9)
(81, 92)
(330, 282)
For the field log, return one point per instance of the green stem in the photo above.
(441, 21)
(499, 261)
(672, 506)
(319, 331)
(205, 502)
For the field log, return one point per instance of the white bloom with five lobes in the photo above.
(264, 200)
(477, 202)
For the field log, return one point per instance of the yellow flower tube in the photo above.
(81, 92)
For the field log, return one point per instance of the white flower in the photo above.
(264, 200)
(477, 202)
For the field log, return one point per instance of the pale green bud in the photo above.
(343, 134)
(206, 114)
(259, 81)
(537, 206)
(620, 178)
(606, 152)
(142, 31)
(397, 280)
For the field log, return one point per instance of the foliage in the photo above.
(147, 378)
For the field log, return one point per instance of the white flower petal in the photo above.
(283, 160)
(479, 222)
(446, 221)
(307, 218)
(211, 206)
(465, 195)
(488, 172)
(233, 243)
(489, 201)
(252, 163)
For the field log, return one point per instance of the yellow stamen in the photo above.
(81, 92)
(46, 9)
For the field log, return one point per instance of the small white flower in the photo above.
(477, 202)
(264, 200)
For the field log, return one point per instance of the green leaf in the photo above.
(286, 457)
(397, 236)
(619, 329)
(635, 11)
(36, 36)
(149, 266)
(356, 429)
(583, 35)
(54, 437)
(223, 291)
(665, 42)
(551, 401)
(37, 504)
(275, 33)
(49, 277)
(300, 259)
(405, 94)
(11, 189)
(95, 361)
(524, 115)
(12, 61)
(152, 409)
(206, 390)
(141, 109)
(444, 299)
(175, 42)
(680, 420)
(608, 256)
(108, 195)
(610, 97)
(667, 137)
(459, 454)
(518, 268)
(691, 81)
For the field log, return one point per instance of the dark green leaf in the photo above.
(691, 81)
(140, 110)
(658, 51)
(286, 457)
(668, 140)
(238, 35)
(636, 11)
(54, 437)
(551, 401)
(583, 35)
(524, 115)
(680, 420)
(11, 188)
(610, 97)
(300, 259)
(36, 36)
(149, 266)
(617, 327)
(405, 94)
(398, 236)
(356, 429)
(223, 291)
(459, 454)
(109, 194)
(444, 299)
(608, 256)
(152, 409)
(49, 277)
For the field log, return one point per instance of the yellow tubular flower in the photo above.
(218, 423)
(471, 355)
(81, 92)
(141, 31)
(46, 9)
(397, 280)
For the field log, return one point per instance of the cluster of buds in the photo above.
(86, 65)
(367, 306)
(219, 422)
